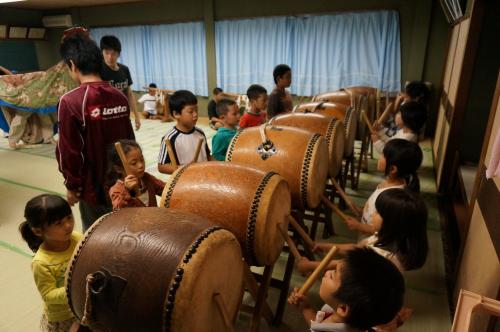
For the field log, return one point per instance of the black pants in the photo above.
(90, 213)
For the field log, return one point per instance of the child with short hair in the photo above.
(255, 116)
(400, 234)
(184, 137)
(230, 115)
(214, 121)
(137, 189)
(400, 161)
(410, 119)
(48, 231)
(280, 101)
(282, 75)
(365, 290)
(91, 117)
(118, 74)
(149, 101)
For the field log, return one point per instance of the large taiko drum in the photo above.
(154, 269)
(247, 201)
(344, 113)
(364, 99)
(329, 127)
(340, 97)
(298, 155)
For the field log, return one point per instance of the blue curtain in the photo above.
(326, 52)
(171, 55)
(248, 50)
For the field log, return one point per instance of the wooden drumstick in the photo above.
(198, 150)
(289, 241)
(367, 121)
(123, 158)
(344, 196)
(219, 301)
(334, 207)
(170, 152)
(377, 101)
(317, 272)
(307, 239)
(385, 114)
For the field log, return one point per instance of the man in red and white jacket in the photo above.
(91, 118)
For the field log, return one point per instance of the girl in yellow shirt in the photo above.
(48, 230)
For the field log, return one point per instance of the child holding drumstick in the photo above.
(131, 185)
(364, 290)
(400, 232)
(185, 137)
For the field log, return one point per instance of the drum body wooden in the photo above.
(343, 113)
(364, 99)
(247, 201)
(329, 127)
(153, 268)
(341, 97)
(299, 156)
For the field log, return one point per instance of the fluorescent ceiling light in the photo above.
(4, 1)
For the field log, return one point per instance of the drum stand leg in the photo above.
(328, 230)
(287, 276)
(259, 293)
(300, 217)
(362, 155)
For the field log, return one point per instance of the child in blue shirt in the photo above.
(229, 113)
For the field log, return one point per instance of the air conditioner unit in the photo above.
(57, 21)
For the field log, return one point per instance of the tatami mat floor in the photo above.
(33, 170)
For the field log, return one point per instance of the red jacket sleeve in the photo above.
(69, 152)
(120, 197)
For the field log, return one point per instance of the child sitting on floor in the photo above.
(365, 290)
(184, 137)
(256, 115)
(400, 161)
(149, 101)
(229, 113)
(400, 232)
(136, 189)
(410, 119)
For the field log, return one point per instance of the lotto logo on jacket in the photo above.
(91, 118)
(107, 112)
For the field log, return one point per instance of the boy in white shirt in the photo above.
(149, 101)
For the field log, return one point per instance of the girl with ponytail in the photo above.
(48, 231)
(400, 161)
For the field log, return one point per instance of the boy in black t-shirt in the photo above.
(117, 74)
(215, 122)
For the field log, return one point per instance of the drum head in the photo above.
(350, 125)
(314, 171)
(274, 205)
(336, 141)
(215, 268)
